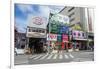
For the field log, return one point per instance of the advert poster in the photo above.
(65, 38)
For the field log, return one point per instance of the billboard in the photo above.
(37, 21)
(78, 34)
(61, 18)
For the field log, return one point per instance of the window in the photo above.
(71, 9)
(74, 33)
(71, 14)
(43, 31)
(78, 34)
(82, 34)
(39, 31)
(29, 30)
(36, 30)
(33, 30)
(23, 39)
(72, 19)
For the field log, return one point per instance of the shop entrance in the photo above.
(36, 45)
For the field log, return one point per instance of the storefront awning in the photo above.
(80, 39)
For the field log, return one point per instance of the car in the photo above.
(19, 51)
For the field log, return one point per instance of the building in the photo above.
(36, 33)
(21, 40)
(83, 17)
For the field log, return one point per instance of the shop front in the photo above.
(52, 41)
(65, 42)
(79, 40)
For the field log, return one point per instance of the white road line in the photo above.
(71, 55)
(50, 56)
(60, 56)
(66, 56)
(44, 56)
(55, 56)
(33, 56)
(38, 56)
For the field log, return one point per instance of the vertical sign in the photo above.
(65, 38)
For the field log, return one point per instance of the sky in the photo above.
(22, 11)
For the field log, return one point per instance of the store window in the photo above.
(29, 30)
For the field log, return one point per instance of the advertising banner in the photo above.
(65, 38)
(78, 34)
(52, 37)
(59, 39)
(60, 18)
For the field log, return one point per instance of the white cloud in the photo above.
(20, 24)
(44, 10)
(56, 9)
(24, 8)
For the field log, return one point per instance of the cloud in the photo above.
(20, 24)
(36, 10)
(24, 8)
(56, 9)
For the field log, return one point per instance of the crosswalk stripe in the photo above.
(33, 56)
(55, 56)
(60, 56)
(66, 56)
(44, 57)
(38, 57)
(71, 55)
(50, 56)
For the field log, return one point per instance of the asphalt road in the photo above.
(64, 57)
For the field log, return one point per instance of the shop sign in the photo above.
(60, 18)
(79, 34)
(65, 38)
(59, 38)
(37, 21)
(52, 37)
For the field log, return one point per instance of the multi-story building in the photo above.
(20, 40)
(82, 17)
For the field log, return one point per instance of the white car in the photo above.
(19, 51)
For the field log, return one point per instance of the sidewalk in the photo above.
(21, 59)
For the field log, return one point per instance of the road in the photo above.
(65, 57)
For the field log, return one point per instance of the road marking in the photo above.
(44, 57)
(71, 55)
(38, 57)
(55, 56)
(60, 56)
(66, 56)
(50, 56)
(33, 56)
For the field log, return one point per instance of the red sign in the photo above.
(65, 38)
(52, 37)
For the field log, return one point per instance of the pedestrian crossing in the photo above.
(51, 56)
